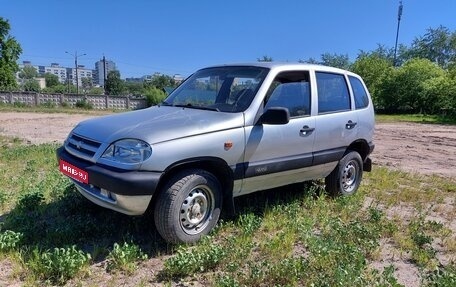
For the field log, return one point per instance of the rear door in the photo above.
(336, 123)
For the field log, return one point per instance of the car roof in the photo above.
(287, 66)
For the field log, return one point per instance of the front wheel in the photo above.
(346, 177)
(188, 207)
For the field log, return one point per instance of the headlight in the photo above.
(128, 151)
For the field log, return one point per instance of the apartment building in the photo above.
(102, 68)
(66, 74)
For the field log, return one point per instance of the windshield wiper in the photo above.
(164, 103)
(197, 107)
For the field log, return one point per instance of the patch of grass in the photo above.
(415, 118)
(58, 265)
(291, 236)
(48, 105)
(65, 108)
(442, 277)
(9, 240)
(124, 257)
(203, 257)
(83, 104)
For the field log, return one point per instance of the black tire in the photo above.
(346, 176)
(188, 207)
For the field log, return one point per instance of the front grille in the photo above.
(81, 146)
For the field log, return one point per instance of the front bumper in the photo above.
(128, 192)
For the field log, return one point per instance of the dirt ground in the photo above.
(421, 148)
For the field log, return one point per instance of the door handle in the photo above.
(306, 130)
(350, 125)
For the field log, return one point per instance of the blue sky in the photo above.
(172, 36)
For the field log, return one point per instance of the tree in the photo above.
(437, 45)
(51, 80)
(114, 85)
(9, 54)
(28, 72)
(96, 91)
(161, 81)
(440, 95)
(154, 96)
(381, 52)
(87, 84)
(405, 87)
(309, 61)
(335, 60)
(374, 68)
(332, 60)
(134, 88)
(31, 85)
(265, 59)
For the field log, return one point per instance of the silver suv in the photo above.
(226, 131)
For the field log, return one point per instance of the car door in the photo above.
(336, 123)
(276, 155)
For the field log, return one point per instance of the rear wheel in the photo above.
(188, 207)
(346, 177)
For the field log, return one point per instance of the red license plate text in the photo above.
(74, 172)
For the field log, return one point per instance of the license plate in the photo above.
(74, 172)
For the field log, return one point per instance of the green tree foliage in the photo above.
(51, 80)
(375, 69)
(438, 45)
(405, 88)
(31, 85)
(265, 58)
(114, 84)
(309, 61)
(154, 96)
(134, 88)
(439, 93)
(160, 82)
(335, 60)
(28, 72)
(9, 54)
(87, 84)
(96, 91)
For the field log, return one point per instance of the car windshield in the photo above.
(224, 89)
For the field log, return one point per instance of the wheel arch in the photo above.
(361, 146)
(217, 166)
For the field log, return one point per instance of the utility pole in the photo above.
(399, 15)
(104, 74)
(75, 55)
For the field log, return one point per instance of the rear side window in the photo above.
(333, 93)
(359, 92)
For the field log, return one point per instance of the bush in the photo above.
(201, 258)
(124, 257)
(58, 265)
(31, 200)
(9, 240)
(154, 96)
(84, 104)
(48, 104)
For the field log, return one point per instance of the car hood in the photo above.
(157, 124)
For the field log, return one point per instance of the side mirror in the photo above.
(275, 116)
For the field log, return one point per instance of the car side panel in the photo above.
(276, 155)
